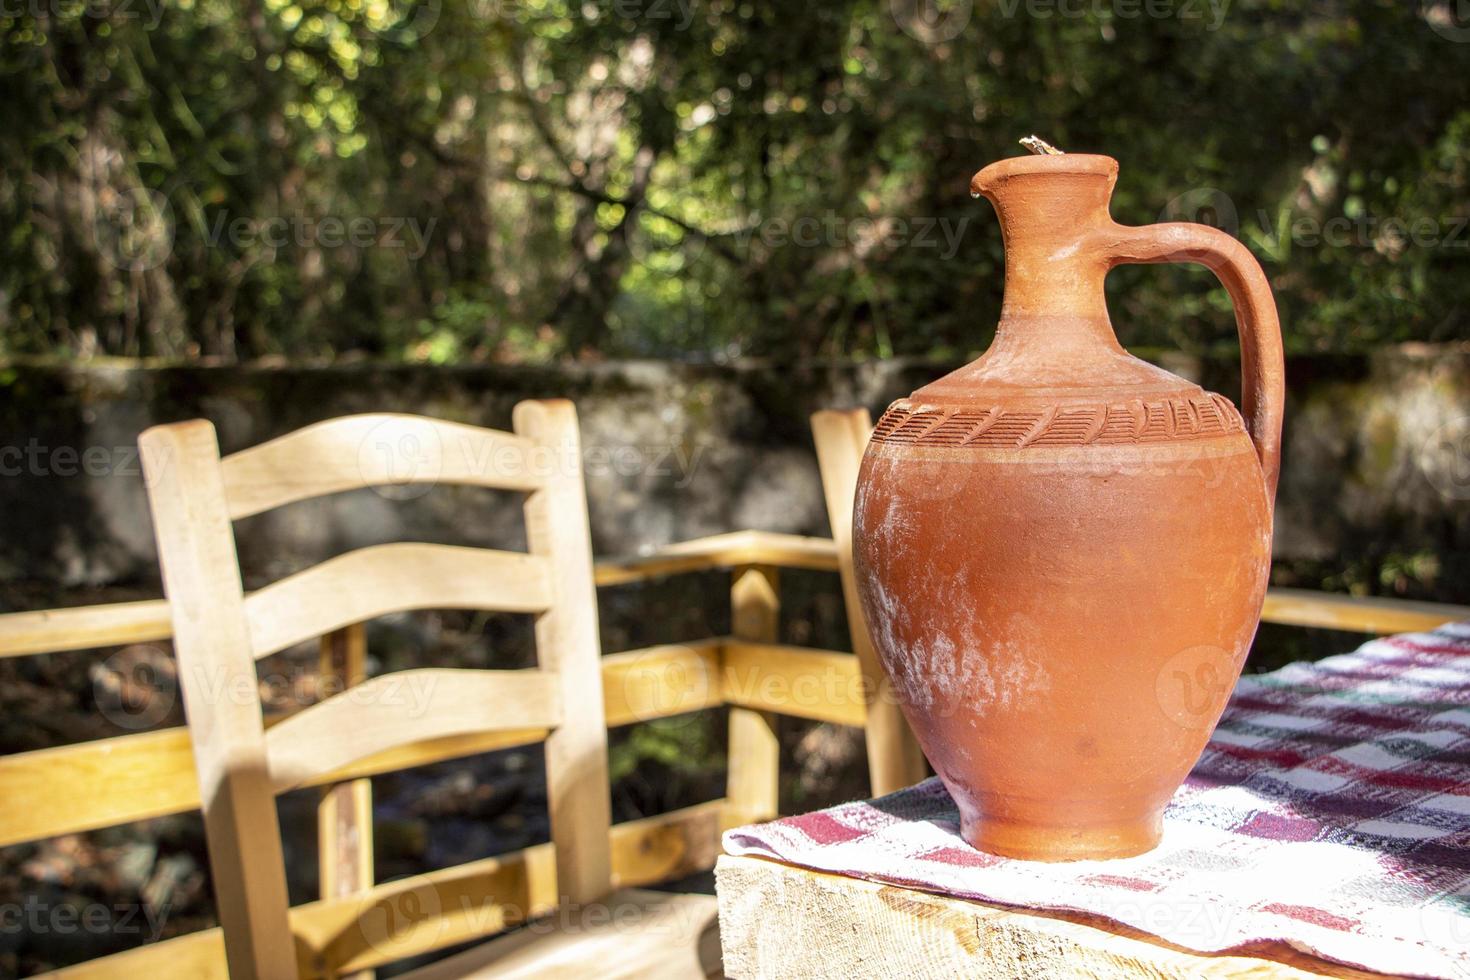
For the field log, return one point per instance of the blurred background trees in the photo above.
(453, 180)
(466, 181)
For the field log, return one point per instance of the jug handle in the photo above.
(1262, 362)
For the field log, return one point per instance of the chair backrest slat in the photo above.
(403, 707)
(389, 578)
(566, 639)
(219, 633)
(894, 757)
(376, 450)
(201, 577)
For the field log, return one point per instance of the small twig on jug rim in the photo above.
(1038, 145)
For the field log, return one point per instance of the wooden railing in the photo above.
(118, 780)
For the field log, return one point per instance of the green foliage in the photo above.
(501, 179)
(681, 746)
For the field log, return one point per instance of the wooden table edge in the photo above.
(1077, 941)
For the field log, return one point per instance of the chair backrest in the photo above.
(219, 634)
(894, 757)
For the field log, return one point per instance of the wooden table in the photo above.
(777, 920)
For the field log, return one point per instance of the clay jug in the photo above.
(1062, 550)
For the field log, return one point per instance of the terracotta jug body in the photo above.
(1062, 551)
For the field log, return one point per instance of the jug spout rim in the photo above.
(984, 182)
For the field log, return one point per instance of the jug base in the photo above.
(1034, 842)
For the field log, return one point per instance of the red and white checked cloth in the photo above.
(1331, 811)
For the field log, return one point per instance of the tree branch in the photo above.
(716, 240)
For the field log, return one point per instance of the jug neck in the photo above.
(1054, 333)
(1049, 209)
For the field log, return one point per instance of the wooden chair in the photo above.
(894, 757)
(219, 633)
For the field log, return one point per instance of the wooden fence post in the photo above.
(345, 813)
(753, 782)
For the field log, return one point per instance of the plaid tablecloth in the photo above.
(1331, 811)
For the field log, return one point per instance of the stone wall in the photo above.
(1376, 469)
